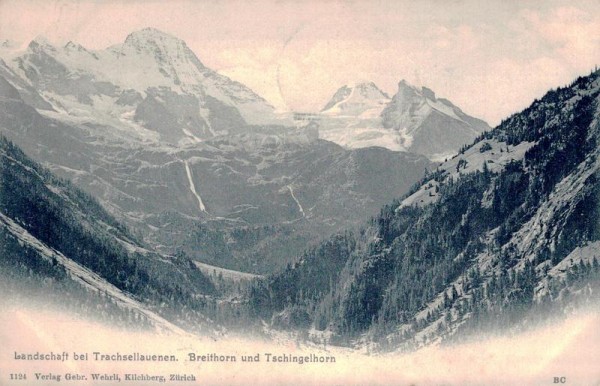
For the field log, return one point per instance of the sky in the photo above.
(491, 58)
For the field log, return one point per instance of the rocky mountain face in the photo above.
(412, 120)
(190, 160)
(505, 234)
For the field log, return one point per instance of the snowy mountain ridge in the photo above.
(355, 100)
(152, 79)
(414, 120)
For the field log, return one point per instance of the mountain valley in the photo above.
(138, 181)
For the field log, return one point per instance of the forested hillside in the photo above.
(499, 236)
(57, 240)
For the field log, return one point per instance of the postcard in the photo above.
(299, 192)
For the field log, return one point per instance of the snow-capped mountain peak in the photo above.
(370, 91)
(433, 126)
(428, 93)
(415, 120)
(150, 34)
(72, 46)
(354, 99)
(40, 42)
(151, 82)
(160, 45)
(406, 89)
